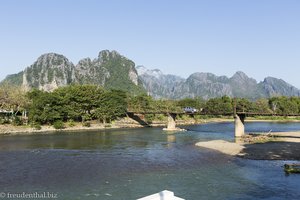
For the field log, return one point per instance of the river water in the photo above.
(128, 164)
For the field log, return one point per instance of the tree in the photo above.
(140, 103)
(244, 105)
(221, 105)
(13, 98)
(113, 104)
(284, 105)
(79, 101)
(197, 103)
(262, 106)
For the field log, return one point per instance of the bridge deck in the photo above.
(248, 114)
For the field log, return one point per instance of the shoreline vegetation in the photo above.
(87, 103)
(10, 129)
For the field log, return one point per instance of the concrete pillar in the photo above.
(239, 130)
(171, 122)
(171, 126)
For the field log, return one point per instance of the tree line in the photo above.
(83, 103)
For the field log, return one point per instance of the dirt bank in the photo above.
(279, 146)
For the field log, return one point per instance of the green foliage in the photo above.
(149, 117)
(4, 120)
(119, 68)
(36, 126)
(160, 117)
(243, 105)
(203, 117)
(14, 79)
(221, 105)
(17, 121)
(112, 105)
(184, 117)
(140, 103)
(155, 117)
(71, 123)
(45, 107)
(86, 124)
(197, 103)
(285, 105)
(12, 98)
(74, 102)
(83, 103)
(59, 124)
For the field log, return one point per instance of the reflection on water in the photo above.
(131, 163)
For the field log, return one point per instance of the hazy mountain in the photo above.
(114, 71)
(278, 87)
(156, 83)
(208, 85)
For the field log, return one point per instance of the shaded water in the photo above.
(132, 163)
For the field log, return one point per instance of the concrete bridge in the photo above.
(239, 118)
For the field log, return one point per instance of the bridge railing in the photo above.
(248, 114)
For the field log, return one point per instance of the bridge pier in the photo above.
(171, 126)
(239, 129)
(171, 122)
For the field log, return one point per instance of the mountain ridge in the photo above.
(114, 71)
(51, 70)
(208, 85)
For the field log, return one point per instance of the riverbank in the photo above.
(274, 146)
(9, 129)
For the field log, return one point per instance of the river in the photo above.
(127, 164)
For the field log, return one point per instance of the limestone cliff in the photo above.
(50, 71)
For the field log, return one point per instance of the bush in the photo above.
(17, 121)
(71, 123)
(149, 117)
(107, 125)
(161, 117)
(36, 126)
(4, 120)
(86, 124)
(58, 125)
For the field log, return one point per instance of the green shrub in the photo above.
(36, 126)
(17, 121)
(86, 124)
(107, 125)
(59, 124)
(4, 121)
(71, 123)
(160, 117)
(149, 117)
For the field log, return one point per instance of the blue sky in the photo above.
(259, 37)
